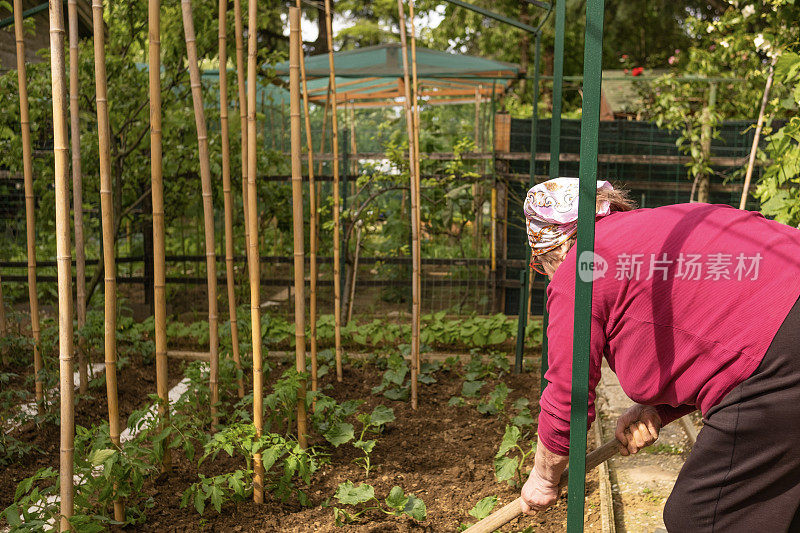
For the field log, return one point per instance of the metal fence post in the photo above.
(555, 149)
(590, 126)
(525, 278)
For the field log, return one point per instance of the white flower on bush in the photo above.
(724, 44)
(710, 28)
(760, 42)
(748, 10)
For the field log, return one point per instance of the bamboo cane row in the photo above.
(249, 167)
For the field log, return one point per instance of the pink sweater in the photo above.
(692, 297)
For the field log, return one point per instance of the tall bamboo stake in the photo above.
(312, 220)
(418, 260)
(253, 258)
(759, 125)
(107, 216)
(63, 253)
(337, 281)
(3, 320)
(226, 187)
(297, 218)
(77, 190)
(27, 173)
(324, 125)
(412, 167)
(157, 192)
(208, 207)
(240, 67)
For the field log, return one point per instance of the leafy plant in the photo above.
(362, 499)
(510, 458)
(374, 422)
(481, 510)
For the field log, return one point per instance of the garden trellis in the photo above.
(417, 168)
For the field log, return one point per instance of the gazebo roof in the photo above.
(375, 73)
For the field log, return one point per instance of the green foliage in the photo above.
(343, 432)
(778, 189)
(361, 499)
(286, 466)
(481, 510)
(105, 473)
(509, 461)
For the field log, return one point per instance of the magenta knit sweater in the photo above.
(690, 300)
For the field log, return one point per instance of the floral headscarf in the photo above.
(551, 211)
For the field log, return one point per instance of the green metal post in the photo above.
(521, 321)
(525, 279)
(590, 126)
(555, 146)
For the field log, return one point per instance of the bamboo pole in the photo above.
(355, 273)
(77, 191)
(412, 167)
(63, 254)
(253, 258)
(3, 321)
(240, 67)
(226, 189)
(415, 102)
(107, 218)
(337, 281)
(759, 125)
(295, 46)
(312, 221)
(30, 207)
(157, 192)
(208, 207)
(324, 124)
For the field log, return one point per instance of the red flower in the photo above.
(626, 71)
(637, 71)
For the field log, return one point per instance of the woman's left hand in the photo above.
(637, 428)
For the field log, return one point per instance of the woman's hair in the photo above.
(619, 200)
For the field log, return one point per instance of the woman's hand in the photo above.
(637, 428)
(541, 489)
(538, 493)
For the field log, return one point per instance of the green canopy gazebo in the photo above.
(373, 76)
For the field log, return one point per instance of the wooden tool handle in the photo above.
(511, 511)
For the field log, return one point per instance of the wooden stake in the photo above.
(324, 124)
(107, 218)
(63, 253)
(759, 125)
(355, 273)
(253, 258)
(157, 191)
(208, 207)
(27, 173)
(418, 257)
(226, 188)
(412, 168)
(295, 46)
(3, 321)
(240, 66)
(77, 190)
(337, 281)
(312, 220)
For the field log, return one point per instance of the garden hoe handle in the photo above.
(511, 511)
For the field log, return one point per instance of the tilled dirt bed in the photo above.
(442, 454)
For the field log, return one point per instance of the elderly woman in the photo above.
(695, 306)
